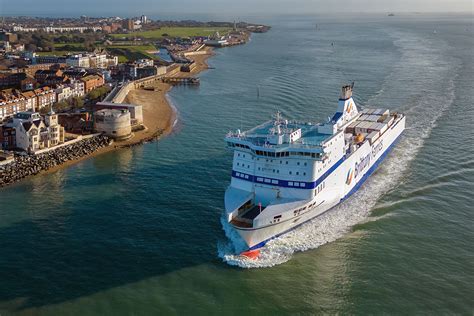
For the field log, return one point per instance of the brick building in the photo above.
(92, 82)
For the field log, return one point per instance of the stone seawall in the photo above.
(24, 166)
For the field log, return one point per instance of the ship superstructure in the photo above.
(285, 172)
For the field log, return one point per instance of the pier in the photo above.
(181, 81)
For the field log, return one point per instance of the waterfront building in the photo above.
(136, 111)
(113, 123)
(77, 123)
(32, 133)
(7, 137)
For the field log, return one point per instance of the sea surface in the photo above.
(139, 231)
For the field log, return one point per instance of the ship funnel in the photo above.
(346, 91)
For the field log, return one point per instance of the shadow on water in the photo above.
(102, 244)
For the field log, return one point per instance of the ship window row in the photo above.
(273, 170)
(267, 180)
(297, 173)
(237, 145)
(242, 175)
(298, 163)
(287, 154)
(297, 184)
(243, 165)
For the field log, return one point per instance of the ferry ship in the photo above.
(286, 173)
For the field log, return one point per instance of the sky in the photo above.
(225, 7)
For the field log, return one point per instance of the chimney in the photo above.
(346, 91)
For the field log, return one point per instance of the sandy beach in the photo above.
(158, 115)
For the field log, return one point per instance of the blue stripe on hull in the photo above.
(355, 188)
(286, 183)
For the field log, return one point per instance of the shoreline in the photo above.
(160, 115)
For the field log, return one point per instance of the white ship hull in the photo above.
(257, 237)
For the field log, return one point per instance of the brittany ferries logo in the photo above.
(349, 107)
(349, 177)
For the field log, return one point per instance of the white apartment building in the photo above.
(33, 134)
(63, 93)
(77, 88)
(79, 61)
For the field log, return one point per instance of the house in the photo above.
(42, 75)
(63, 93)
(55, 80)
(28, 84)
(7, 137)
(31, 100)
(77, 88)
(11, 102)
(75, 74)
(80, 61)
(92, 82)
(32, 132)
(11, 79)
(46, 97)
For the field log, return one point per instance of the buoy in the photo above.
(251, 254)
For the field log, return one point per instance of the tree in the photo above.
(77, 102)
(31, 47)
(94, 94)
(60, 106)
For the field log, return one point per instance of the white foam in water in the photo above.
(422, 114)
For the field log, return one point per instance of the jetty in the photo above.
(181, 81)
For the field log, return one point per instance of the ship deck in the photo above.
(310, 137)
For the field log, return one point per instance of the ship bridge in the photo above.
(279, 135)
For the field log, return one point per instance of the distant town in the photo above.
(71, 81)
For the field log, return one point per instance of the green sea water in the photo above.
(139, 231)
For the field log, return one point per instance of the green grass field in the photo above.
(175, 32)
(129, 52)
